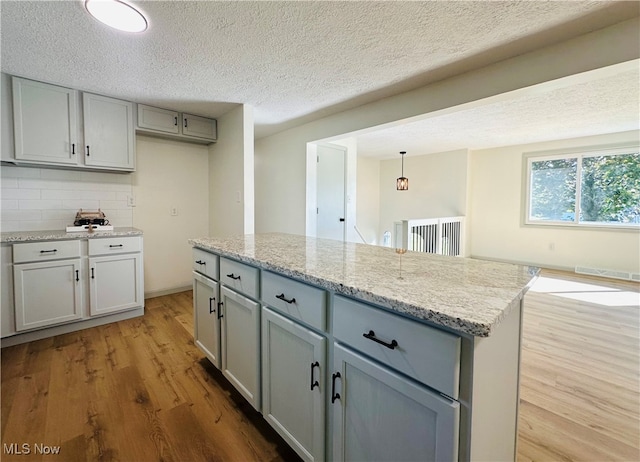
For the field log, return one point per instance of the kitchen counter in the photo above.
(467, 295)
(50, 235)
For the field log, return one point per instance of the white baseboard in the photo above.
(161, 293)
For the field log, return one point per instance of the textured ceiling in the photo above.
(599, 106)
(292, 61)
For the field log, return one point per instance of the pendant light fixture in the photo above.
(117, 14)
(402, 183)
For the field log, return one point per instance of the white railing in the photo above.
(444, 236)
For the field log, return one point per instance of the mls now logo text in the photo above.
(26, 448)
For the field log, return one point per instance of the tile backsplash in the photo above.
(35, 199)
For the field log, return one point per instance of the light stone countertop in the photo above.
(58, 235)
(467, 295)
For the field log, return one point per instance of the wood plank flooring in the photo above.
(580, 376)
(139, 390)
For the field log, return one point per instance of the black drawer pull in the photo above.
(316, 383)
(88, 151)
(211, 309)
(284, 299)
(49, 251)
(111, 246)
(233, 276)
(372, 336)
(220, 315)
(175, 121)
(92, 275)
(73, 149)
(77, 275)
(200, 262)
(334, 395)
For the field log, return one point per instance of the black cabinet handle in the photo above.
(372, 336)
(200, 262)
(88, 151)
(175, 121)
(211, 309)
(284, 299)
(341, 220)
(185, 123)
(233, 276)
(220, 315)
(92, 275)
(334, 395)
(49, 251)
(77, 275)
(73, 149)
(316, 383)
(111, 246)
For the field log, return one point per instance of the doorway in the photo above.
(331, 206)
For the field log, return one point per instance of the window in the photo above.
(592, 188)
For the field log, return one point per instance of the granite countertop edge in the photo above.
(475, 329)
(60, 235)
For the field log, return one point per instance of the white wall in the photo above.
(44, 199)
(368, 199)
(281, 158)
(231, 175)
(170, 174)
(496, 205)
(437, 188)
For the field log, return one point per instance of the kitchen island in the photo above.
(406, 354)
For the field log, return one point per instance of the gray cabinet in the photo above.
(206, 334)
(240, 343)
(109, 138)
(45, 123)
(293, 383)
(380, 415)
(176, 125)
(47, 128)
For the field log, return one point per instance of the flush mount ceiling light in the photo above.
(117, 14)
(402, 183)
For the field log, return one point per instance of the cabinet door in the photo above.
(293, 369)
(45, 122)
(47, 293)
(206, 322)
(380, 415)
(108, 132)
(240, 341)
(115, 283)
(199, 127)
(162, 120)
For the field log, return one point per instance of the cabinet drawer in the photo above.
(241, 277)
(425, 353)
(296, 299)
(42, 251)
(114, 245)
(206, 263)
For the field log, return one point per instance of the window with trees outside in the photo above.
(591, 188)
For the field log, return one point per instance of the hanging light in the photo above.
(117, 14)
(402, 183)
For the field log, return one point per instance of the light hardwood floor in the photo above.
(139, 390)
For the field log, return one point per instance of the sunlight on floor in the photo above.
(590, 293)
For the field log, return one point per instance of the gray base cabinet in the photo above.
(240, 343)
(293, 386)
(380, 415)
(206, 319)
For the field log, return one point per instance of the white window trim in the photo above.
(589, 151)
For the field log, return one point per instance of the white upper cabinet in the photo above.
(162, 120)
(45, 123)
(109, 138)
(199, 127)
(176, 125)
(48, 130)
